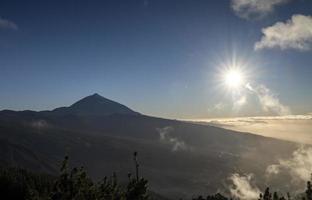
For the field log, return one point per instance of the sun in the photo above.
(233, 78)
(234, 74)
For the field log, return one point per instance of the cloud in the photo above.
(255, 9)
(7, 24)
(242, 100)
(39, 124)
(296, 128)
(243, 188)
(268, 100)
(219, 106)
(299, 166)
(176, 143)
(295, 33)
(238, 102)
(272, 169)
(216, 108)
(254, 120)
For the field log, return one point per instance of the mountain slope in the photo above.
(179, 158)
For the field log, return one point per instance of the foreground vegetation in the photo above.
(71, 184)
(75, 184)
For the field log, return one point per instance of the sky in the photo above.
(159, 57)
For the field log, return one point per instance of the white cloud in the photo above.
(296, 128)
(243, 188)
(253, 120)
(272, 169)
(242, 100)
(7, 24)
(176, 143)
(268, 100)
(39, 125)
(299, 166)
(219, 106)
(249, 9)
(295, 33)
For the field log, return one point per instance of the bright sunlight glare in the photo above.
(233, 78)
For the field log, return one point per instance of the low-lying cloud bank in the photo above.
(296, 33)
(296, 128)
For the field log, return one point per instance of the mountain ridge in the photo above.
(95, 105)
(92, 105)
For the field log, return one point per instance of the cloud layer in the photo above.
(7, 24)
(299, 166)
(295, 33)
(296, 128)
(243, 188)
(251, 9)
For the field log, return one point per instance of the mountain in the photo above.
(178, 158)
(94, 105)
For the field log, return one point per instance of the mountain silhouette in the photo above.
(178, 158)
(95, 105)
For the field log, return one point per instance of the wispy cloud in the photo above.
(299, 165)
(217, 107)
(242, 100)
(243, 188)
(268, 100)
(254, 9)
(39, 124)
(176, 143)
(295, 33)
(8, 24)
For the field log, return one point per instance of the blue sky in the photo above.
(158, 57)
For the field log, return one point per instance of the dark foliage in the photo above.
(267, 195)
(74, 184)
(217, 196)
(18, 183)
(71, 184)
